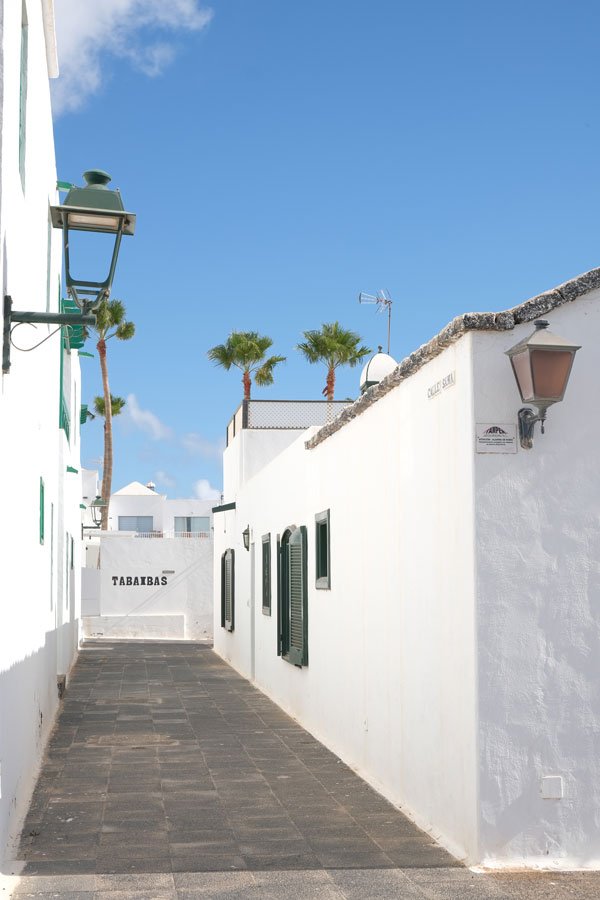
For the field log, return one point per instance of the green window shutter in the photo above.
(266, 574)
(295, 598)
(73, 335)
(83, 414)
(279, 598)
(42, 510)
(228, 590)
(23, 96)
(322, 561)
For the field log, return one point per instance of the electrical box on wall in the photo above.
(552, 787)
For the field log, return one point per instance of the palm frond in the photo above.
(116, 405)
(264, 375)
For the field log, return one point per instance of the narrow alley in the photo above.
(170, 776)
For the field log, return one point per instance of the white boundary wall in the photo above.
(150, 588)
(390, 684)
(455, 660)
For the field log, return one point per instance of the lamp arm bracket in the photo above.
(34, 318)
(527, 420)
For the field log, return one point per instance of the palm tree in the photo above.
(110, 323)
(246, 351)
(335, 346)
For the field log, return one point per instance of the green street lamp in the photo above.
(93, 208)
(98, 209)
(97, 506)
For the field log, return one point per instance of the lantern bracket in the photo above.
(527, 420)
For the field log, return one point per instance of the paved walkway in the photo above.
(170, 776)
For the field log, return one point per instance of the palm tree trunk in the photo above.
(247, 384)
(108, 445)
(330, 384)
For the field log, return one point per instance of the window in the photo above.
(322, 567)
(186, 525)
(293, 616)
(139, 524)
(23, 94)
(67, 569)
(42, 510)
(228, 589)
(266, 574)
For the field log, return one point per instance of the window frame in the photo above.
(266, 575)
(228, 624)
(136, 529)
(42, 522)
(323, 520)
(188, 521)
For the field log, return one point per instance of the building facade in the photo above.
(423, 594)
(39, 419)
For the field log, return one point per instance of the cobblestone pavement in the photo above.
(170, 776)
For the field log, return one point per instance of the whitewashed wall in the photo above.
(455, 661)
(390, 684)
(150, 588)
(40, 595)
(538, 577)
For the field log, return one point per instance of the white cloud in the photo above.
(145, 420)
(163, 478)
(197, 445)
(205, 491)
(128, 29)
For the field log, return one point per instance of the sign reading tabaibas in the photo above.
(495, 438)
(139, 580)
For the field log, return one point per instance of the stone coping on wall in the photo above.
(489, 321)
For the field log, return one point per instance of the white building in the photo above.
(150, 574)
(423, 594)
(40, 399)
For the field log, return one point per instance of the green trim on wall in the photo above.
(42, 510)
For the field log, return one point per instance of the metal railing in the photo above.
(283, 414)
(173, 534)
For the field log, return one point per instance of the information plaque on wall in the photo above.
(492, 437)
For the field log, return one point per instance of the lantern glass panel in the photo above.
(522, 369)
(550, 370)
(92, 222)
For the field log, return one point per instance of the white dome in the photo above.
(380, 365)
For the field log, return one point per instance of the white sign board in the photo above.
(495, 438)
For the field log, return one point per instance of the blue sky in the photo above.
(282, 156)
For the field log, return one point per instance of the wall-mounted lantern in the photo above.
(93, 208)
(96, 507)
(541, 365)
(246, 537)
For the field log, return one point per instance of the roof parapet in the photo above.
(531, 309)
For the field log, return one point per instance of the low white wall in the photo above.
(151, 583)
(390, 685)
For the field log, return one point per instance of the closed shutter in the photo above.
(297, 598)
(228, 590)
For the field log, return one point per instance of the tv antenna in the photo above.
(383, 301)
